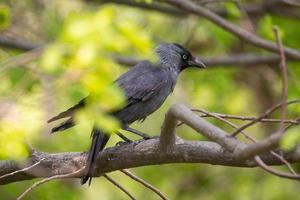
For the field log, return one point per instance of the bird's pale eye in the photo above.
(184, 57)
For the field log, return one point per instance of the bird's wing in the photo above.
(135, 83)
(142, 82)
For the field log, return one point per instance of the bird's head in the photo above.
(177, 57)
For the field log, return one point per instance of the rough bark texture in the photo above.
(148, 152)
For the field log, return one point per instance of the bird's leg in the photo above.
(125, 139)
(143, 135)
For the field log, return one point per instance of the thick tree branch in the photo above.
(133, 155)
(148, 152)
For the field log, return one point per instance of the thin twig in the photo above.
(283, 69)
(268, 112)
(284, 161)
(21, 59)
(119, 186)
(147, 185)
(246, 118)
(281, 158)
(22, 170)
(45, 180)
(269, 169)
(227, 122)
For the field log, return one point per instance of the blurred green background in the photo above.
(81, 38)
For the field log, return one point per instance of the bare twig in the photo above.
(147, 185)
(21, 59)
(268, 112)
(17, 43)
(246, 59)
(262, 146)
(206, 113)
(243, 118)
(281, 158)
(119, 186)
(261, 163)
(22, 170)
(45, 180)
(283, 69)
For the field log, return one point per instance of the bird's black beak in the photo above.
(196, 63)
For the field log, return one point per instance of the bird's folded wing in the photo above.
(141, 84)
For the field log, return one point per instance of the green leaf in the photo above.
(12, 144)
(233, 10)
(290, 138)
(4, 17)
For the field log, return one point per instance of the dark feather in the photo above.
(63, 126)
(98, 143)
(69, 112)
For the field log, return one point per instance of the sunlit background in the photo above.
(80, 40)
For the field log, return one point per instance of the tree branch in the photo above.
(276, 7)
(133, 155)
(17, 43)
(189, 6)
(144, 153)
(245, 59)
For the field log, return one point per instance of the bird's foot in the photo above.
(121, 143)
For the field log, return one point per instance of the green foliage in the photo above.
(233, 9)
(11, 142)
(4, 17)
(265, 28)
(88, 39)
(290, 138)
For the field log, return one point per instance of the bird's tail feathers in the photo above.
(63, 126)
(99, 140)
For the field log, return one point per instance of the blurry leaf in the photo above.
(290, 138)
(108, 123)
(4, 17)
(15, 74)
(93, 117)
(81, 56)
(265, 28)
(233, 10)
(52, 59)
(12, 144)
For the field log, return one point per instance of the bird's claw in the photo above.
(120, 143)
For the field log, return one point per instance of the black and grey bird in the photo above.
(146, 87)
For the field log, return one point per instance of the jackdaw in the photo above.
(146, 86)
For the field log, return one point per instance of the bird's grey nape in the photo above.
(169, 56)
